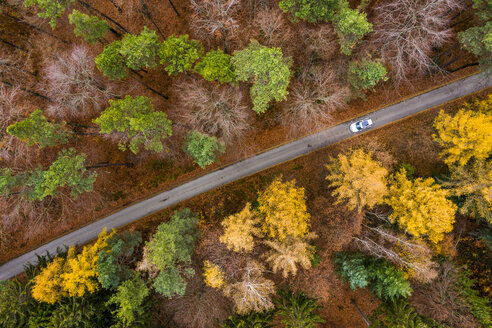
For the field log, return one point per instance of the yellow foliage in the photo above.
(240, 230)
(358, 179)
(48, 283)
(284, 210)
(421, 207)
(213, 276)
(463, 136)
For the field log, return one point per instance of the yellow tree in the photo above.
(213, 275)
(240, 230)
(357, 179)
(420, 206)
(283, 207)
(474, 181)
(463, 136)
(48, 283)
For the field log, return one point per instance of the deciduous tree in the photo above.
(140, 50)
(357, 179)
(310, 10)
(213, 276)
(267, 69)
(364, 75)
(52, 9)
(110, 62)
(203, 148)
(48, 284)
(91, 28)
(420, 207)
(135, 120)
(179, 53)
(240, 230)
(216, 66)
(351, 26)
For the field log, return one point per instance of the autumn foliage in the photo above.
(240, 230)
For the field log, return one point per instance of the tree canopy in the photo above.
(140, 51)
(365, 74)
(52, 9)
(216, 66)
(203, 148)
(179, 53)
(310, 10)
(91, 28)
(110, 62)
(240, 230)
(351, 26)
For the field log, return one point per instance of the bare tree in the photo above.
(272, 28)
(72, 82)
(213, 109)
(320, 41)
(406, 31)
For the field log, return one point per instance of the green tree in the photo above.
(36, 130)
(15, 302)
(179, 53)
(216, 66)
(251, 320)
(267, 69)
(135, 119)
(297, 310)
(141, 50)
(170, 251)
(129, 299)
(113, 260)
(91, 28)
(111, 63)
(381, 276)
(52, 8)
(203, 148)
(77, 312)
(311, 10)
(351, 26)
(397, 314)
(364, 75)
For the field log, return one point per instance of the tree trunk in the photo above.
(98, 165)
(13, 45)
(360, 312)
(28, 91)
(174, 8)
(88, 6)
(116, 6)
(463, 66)
(148, 87)
(146, 12)
(18, 68)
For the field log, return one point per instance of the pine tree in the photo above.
(298, 311)
(110, 63)
(357, 179)
(140, 51)
(36, 130)
(240, 229)
(251, 320)
(136, 120)
(203, 148)
(15, 303)
(351, 26)
(267, 69)
(463, 136)
(283, 207)
(179, 53)
(91, 28)
(364, 75)
(216, 66)
(52, 8)
(420, 207)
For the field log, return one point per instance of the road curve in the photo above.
(250, 166)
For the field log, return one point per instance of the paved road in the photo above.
(249, 166)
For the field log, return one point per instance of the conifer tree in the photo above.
(52, 9)
(179, 53)
(110, 62)
(140, 51)
(216, 66)
(203, 148)
(310, 10)
(297, 310)
(91, 28)
(240, 230)
(364, 75)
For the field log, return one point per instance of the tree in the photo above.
(48, 283)
(15, 302)
(397, 314)
(52, 8)
(240, 230)
(465, 135)
(36, 130)
(364, 75)
(351, 26)
(179, 53)
(311, 10)
(203, 148)
(91, 28)
(474, 182)
(77, 312)
(213, 275)
(283, 207)
(285, 255)
(113, 260)
(216, 66)
(129, 298)
(267, 69)
(141, 50)
(253, 292)
(251, 320)
(111, 63)
(420, 207)
(170, 251)
(358, 179)
(382, 277)
(298, 310)
(136, 121)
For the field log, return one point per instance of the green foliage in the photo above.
(397, 314)
(111, 63)
(179, 53)
(136, 119)
(76, 313)
(36, 130)
(15, 300)
(267, 69)
(311, 10)
(52, 8)
(365, 74)
(203, 148)
(9, 181)
(170, 251)
(129, 298)
(480, 306)
(298, 310)
(40, 316)
(112, 260)
(141, 50)
(251, 320)
(91, 28)
(382, 277)
(216, 66)
(351, 26)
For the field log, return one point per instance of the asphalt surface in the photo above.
(250, 166)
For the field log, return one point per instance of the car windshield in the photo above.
(365, 123)
(357, 125)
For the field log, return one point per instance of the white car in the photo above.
(360, 125)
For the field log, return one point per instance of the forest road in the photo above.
(250, 166)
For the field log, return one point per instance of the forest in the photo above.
(106, 102)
